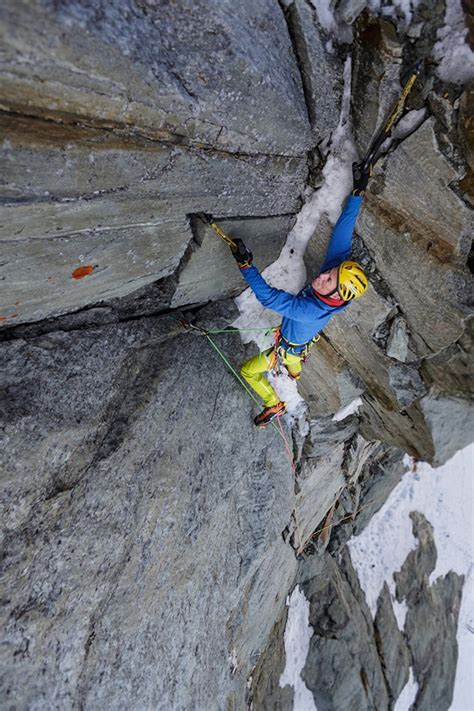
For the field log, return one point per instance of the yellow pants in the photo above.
(252, 371)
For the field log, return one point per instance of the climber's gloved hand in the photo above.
(241, 254)
(360, 177)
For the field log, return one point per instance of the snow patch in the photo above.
(400, 610)
(407, 695)
(455, 57)
(325, 15)
(298, 633)
(406, 7)
(445, 496)
(351, 409)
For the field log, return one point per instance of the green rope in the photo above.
(268, 329)
(244, 385)
(234, 372)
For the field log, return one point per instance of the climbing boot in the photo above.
(269, 414)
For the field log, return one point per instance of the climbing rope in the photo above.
(206, 333)
(278, 428)
(300, 546)
(352, 516)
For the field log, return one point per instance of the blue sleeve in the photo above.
(284, 303)
(340, 245)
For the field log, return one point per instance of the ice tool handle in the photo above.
(218, 230)
(371, 158)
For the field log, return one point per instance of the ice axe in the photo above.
(373, 154)
(208, 220)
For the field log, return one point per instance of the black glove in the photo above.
(360, 177)
(241, 254)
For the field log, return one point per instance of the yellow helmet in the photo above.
(351, 281)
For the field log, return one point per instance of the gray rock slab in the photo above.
(122, 261)
(431, 621)
(406, 383)
(322, 72)
(73, 192)
(60, 179)
(141, 543)
(349, 10)
(417, 235)
(211, 271)
(397, 344)
(325, 434)
(375, 76)
(451, 423)
(327, 383)
(201, 72)
(407, 429)
(265, 692)
(419, 563)
(342, 669)
(465, 129)
(431, 628)
(319, 484)
(391, 645)
(373, 469)
(452, 370)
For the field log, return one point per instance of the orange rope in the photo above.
(338, 523)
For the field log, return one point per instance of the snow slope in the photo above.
(445, 496)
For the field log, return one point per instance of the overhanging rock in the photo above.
(182, 72)
(116, 204)
(211, 272)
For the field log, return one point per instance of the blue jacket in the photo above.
(304, 314)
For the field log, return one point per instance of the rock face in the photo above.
(356, 662)
(431, 621)
(150, 534)
(140, 520)
(342, 639)
(133, 148)
(391, 646)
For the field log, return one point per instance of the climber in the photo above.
(305, 314)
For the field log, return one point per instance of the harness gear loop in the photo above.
(283, 346)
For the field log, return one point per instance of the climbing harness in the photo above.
(289, 347)
(282, 348)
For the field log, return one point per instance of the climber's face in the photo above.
(326, 282)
